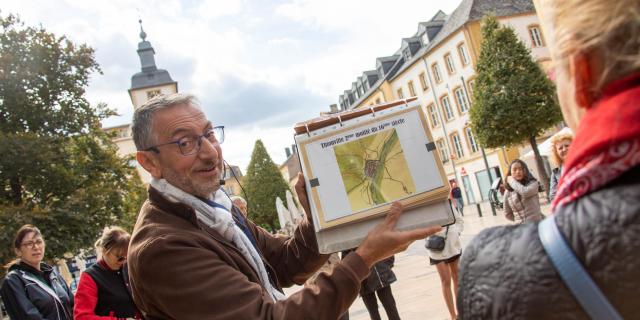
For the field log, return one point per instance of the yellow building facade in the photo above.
(437, 65)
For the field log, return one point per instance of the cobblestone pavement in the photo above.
(417, 292)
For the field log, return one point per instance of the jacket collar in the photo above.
(176, 208)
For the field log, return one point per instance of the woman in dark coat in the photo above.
(32, 289)
(506, 272)
(379, 282)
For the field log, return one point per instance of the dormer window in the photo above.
(407, 54)
(381, 71)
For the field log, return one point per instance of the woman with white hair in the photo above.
(582, 261)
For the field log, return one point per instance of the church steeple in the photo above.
(146, 52)
(150, 80)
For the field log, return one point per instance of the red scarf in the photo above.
(607, 143)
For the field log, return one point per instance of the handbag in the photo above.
(436, 243)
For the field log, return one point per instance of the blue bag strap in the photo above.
(573, 274)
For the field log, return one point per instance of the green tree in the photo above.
(514, 101)
(263, 184)
(59, 170)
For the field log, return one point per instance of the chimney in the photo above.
(287, 151)
(334, 108)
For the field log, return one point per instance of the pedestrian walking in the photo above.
(559, 149)
(32, 289)
(103, 289)
(446, 258)
(456, 197)
(512, 272)
(521, 201)
(379, 283)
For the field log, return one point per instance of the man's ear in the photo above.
(150, 162)
(582, 74)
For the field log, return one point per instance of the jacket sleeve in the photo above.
(200, 283)
(508, 212)
(86, 300)
(294, 258)
(527, 191)
(16, 301)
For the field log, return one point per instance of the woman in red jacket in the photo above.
(103, 291)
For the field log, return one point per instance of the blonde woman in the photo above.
(103, 290)
(559, 149)
(505, 271)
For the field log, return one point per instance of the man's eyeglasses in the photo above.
(33, 244)
(191, 144)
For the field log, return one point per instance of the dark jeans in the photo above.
(389, 304)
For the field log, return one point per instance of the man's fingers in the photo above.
(394, 214)
(418, 234)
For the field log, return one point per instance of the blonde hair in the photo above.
(608, 28)
(555, 158)
(112, 238)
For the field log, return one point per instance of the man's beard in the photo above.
(203, 190)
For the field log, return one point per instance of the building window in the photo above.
(536, 36)
(471, 86)
(407, 54)
(463, 106)
(412, 91)
(400, 93)
(433, 115)
(446, 106)
(436, 72)
(473, 145)
(457, 145)
(152, 93)
(464, 55)
(449, 62)
(423, 82)
(444, 153)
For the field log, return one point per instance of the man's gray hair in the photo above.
(142, 124)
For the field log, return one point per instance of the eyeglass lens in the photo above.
(32, 244)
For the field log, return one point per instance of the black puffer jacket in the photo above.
(506, 274)
(25, 299)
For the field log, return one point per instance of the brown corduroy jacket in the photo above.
(181, 269)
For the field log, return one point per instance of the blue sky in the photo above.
(257, 67)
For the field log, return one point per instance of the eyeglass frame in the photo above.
(32, 244)
(198, 141)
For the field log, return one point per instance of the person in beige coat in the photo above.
(521, 201)
(193, 255)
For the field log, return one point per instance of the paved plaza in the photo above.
(417, 292)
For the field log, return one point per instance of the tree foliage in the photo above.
(263, 184)
(59, 170)
(514, 101)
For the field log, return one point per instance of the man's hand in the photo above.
(384, 240)
(301, 191)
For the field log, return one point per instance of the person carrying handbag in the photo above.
(445, 258)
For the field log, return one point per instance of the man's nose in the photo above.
(208, 148)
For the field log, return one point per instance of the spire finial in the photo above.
(143, 34)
